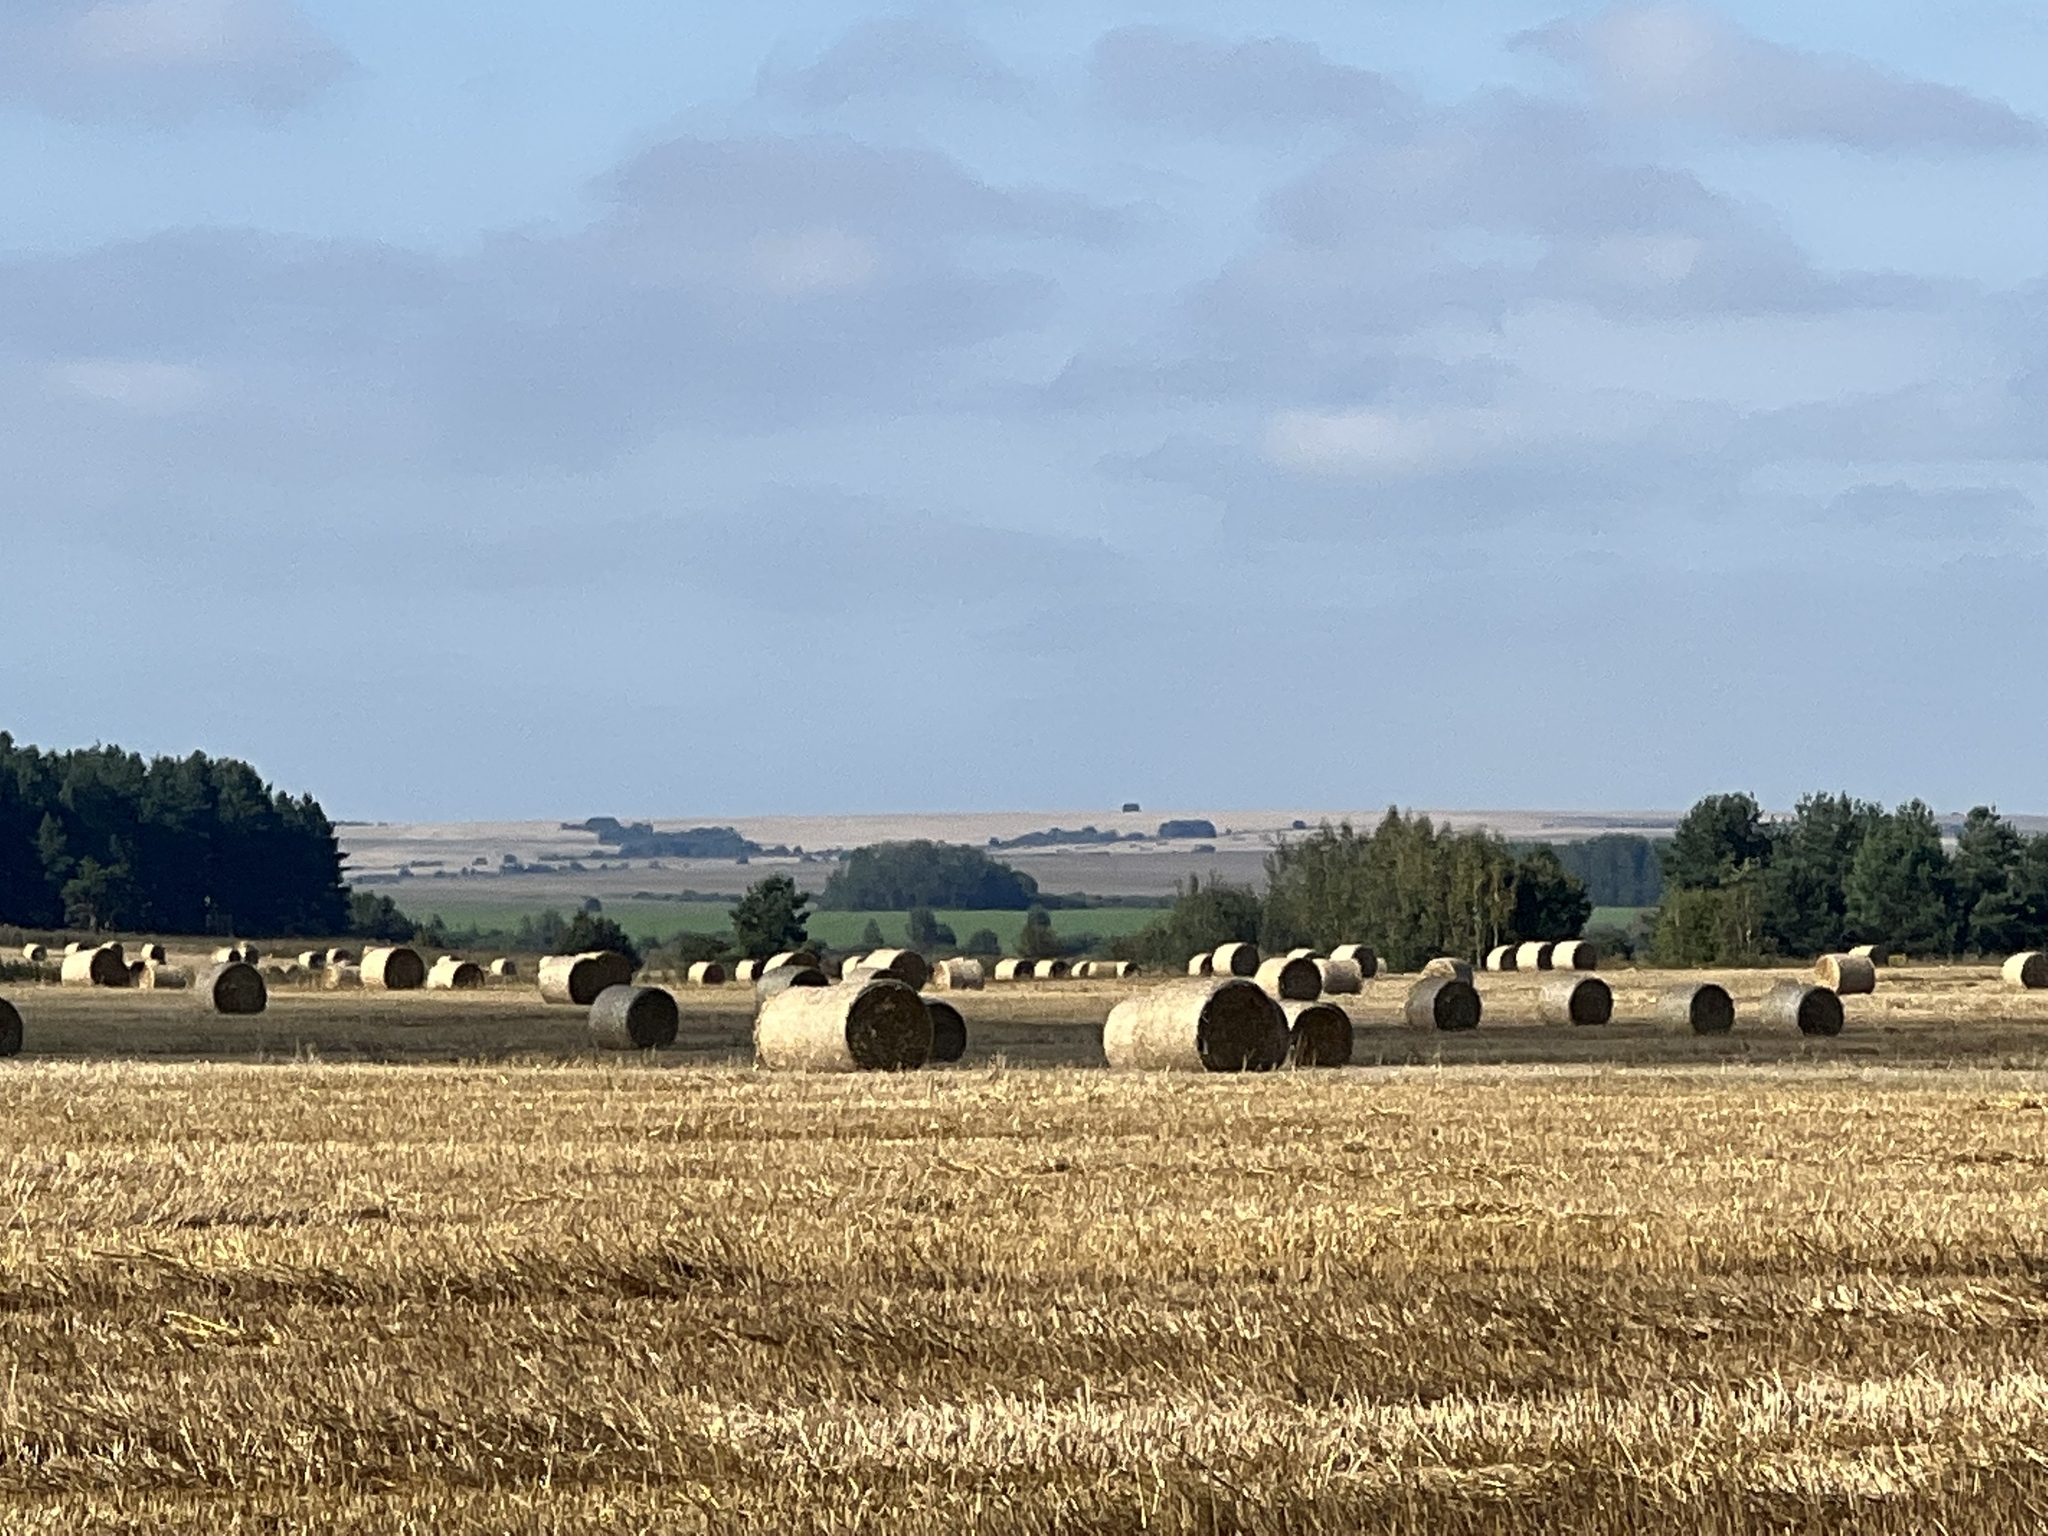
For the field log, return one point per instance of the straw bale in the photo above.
(1847, 975)
(2027, 971)
(1536, 955)
(395, 968)
(1501, 957)
(747, 970)
(949, 1030)
(503, 966)
(1575, 955)
(850, 963)
(102, 967)
(156, 954)
(313, 959)
(1701, 1006)
(10, 1029)
(795, 957)
(342, 978)
(881, 1025)
(1319, 1034)
(1301, 954)
(1292, 981)
(1876, 954)
(629, 1018)
(1812, 1010)
(35, 954)
(959, 975)
(1203, 964)
(906, 965)
(135, 970)
(1237, 960)
(1111, 970)
(341, 957)
(163, 978)
(1050, 970)
(577, 979)
(236, 987)
(451, 974)
(1340, 977)
(707, 973)
(1449, 965)
(1013, 970)
(1368, 962)
(1218, 1024)
(75, 946)
(1443, 1002)
(783, 977)
(1575, 1000)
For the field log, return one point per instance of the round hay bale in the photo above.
(164, 978)
(1319, 1034)
(1449, 965)
(959, 975)
(949, 1030)
(1847, 975)
(577, 979)
(1443, 1002)
(342, 978)
(454, 975)
(747, 970)
(504, 966)
(312, 959)
(906, 965)
(1812, 1010)
(1050, 970)
(1700, 1006)
(783, 977)
(236, 987)
(1292, 981)
(343, 957)
(1876, 954)
(1301, 954)
(1362, 954)
(102, 967)
(1536, 955)
(1113, 970)
(1575, 955)
(1501, 957)
(1340, 977)
(849, 963)
(1237, 960)
(136, 969)
(1222, 1024)
(10, 1029)
(2027, 970)
(1575, 1000)
(250, 954)
(707, 973)
(879, 1026)
(155, 954)
(395, 968)
(74, 947)
(629, 1018)
(1203, 964)
(794, 957)
(1013, 970)
(34, 954)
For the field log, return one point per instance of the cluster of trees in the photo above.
(103, 839)
(893, 877)
(1843, 871)
(1409, 888)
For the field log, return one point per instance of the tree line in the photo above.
(1842, 871)
(102, 839)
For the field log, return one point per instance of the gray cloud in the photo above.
(1944, 515)
(1682, 61)
(163, 61)
(895, 56)
(1266, 85)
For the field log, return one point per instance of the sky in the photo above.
(474, 412)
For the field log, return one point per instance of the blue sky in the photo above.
(527, 410)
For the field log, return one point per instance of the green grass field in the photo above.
(662, 920)
(1617, 917)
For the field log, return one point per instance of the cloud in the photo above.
(1266, 85)
(891, 57)
(1944, 514)
(164, 61)
(1682, 61)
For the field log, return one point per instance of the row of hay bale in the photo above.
(1343, 971)
(1542, 955)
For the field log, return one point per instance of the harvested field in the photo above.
(591, 1298)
